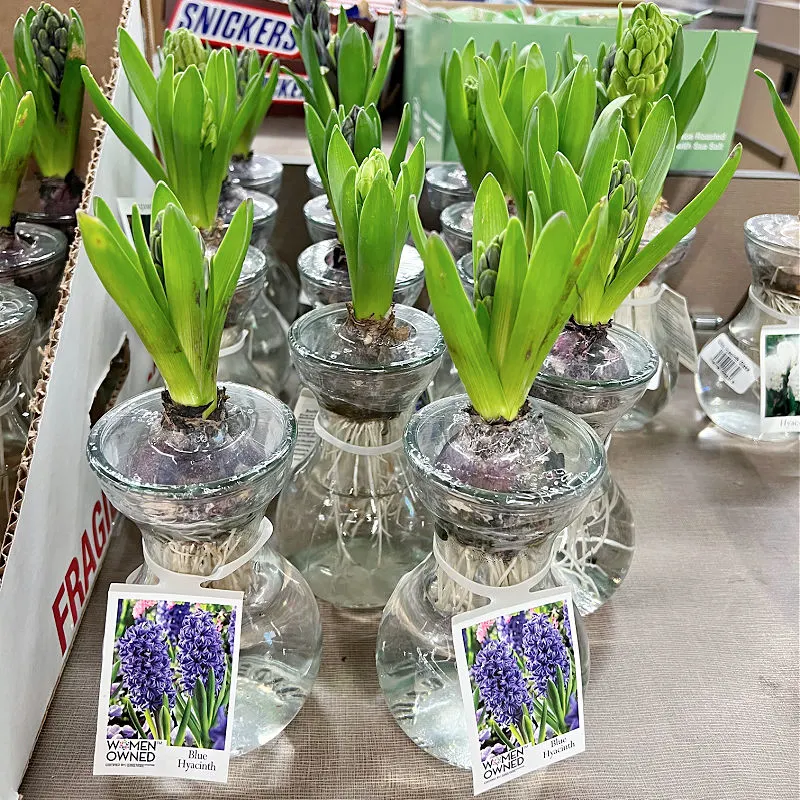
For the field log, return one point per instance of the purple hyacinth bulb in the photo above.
(545, 651)
(511, 629)
(171, 616)
(500, 682)
(144, 663)
(200, 649)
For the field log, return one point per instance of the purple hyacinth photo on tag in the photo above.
(171, 672)
(522, 673)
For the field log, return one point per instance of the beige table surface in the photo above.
(694, 685)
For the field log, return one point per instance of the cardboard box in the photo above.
(705, 144)
(59, 531)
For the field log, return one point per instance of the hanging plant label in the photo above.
(168, 682)
(734, 368)
(305, 412)
(780, 378)
(519, 669)
(674, 315)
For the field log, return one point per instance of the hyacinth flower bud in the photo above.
(486, 273)
(374, 168)
(186, 48)
(622, 175)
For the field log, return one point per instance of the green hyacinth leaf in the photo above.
(785, 121)
(566, 193)
(490, 216)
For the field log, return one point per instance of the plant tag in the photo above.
(161, 712)
(305, 412)
(519, 669)
(655, 381)
(730, 363)
(674, 315)
(780, 378)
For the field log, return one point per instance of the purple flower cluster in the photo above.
(232, 631)
(219, 730)
(500, 682)
(567, 626)
(200, 649)
(545, 651)
(170, 616)
(511, 629)
(145, 667)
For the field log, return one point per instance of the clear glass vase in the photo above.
(597, 373)
(656, 222)
(772, 242)
(319, 219)
(314, 181)
(640, 313)
(259, 172)
(282, 287)
(33, 256)
(447, 184)
(457, 227)
(265, 211)
(325, 280)
(499, 496)
(198, 489)
(348, 518)
(17, 325)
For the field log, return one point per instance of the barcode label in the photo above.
(674, 315)
(305, 411)
(730, 363)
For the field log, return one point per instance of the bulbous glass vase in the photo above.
(597, 373)
(319, 219)
(447, 184)
(499, 496)
(457, 222)
(17, 325)
(259, 172)
(348, 518)
(314, 181)
(198, 489)
(325, 280)
(772, 242)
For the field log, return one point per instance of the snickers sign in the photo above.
(238, 25)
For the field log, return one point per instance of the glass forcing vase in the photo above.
(325, 278)
(315, 187)
(259, 172)
(640, 313)
(772, 242)
(457, 222)
(265, 211)
(499, 495)
(447, 184)
(17, 325)
(598, 373)
(348, 518)
(319, 219)
(198, 489)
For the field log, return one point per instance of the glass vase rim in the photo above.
(611, 385)
(753, 236)
(309, 253)
(100, 464)
(521, 501)
(41, 259)
(449, 224)
(25, 306)
(340, 309)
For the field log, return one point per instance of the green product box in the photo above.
(703, 147)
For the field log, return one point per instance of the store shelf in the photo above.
(694, 684)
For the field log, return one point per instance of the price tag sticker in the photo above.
(732, 366)
(780, 378)
(677, 323)
(168, 683)
(519, 668)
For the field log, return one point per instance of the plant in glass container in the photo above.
(500, 473)
(772, 243)
(349, 54)
(520, 78)
(31, 255)
(50, 50)
(348, 519)
(196, 465)
(197, 118)
(566, 163)
(323, 267)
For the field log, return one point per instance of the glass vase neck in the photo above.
(366, 433)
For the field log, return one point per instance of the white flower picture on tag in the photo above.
(780, 378)
(168, 683)
(519, 671)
